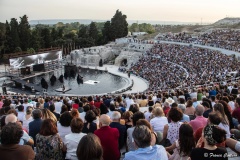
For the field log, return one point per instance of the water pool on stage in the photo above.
(94, 82)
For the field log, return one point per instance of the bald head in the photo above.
(199, 110)
(104, 120)
(11, 118)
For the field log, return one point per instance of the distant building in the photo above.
(138, 33)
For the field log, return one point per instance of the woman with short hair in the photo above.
(72, 139)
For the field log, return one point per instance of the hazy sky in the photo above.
(154, 10)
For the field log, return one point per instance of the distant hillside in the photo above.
(228, 21)
(88, 21)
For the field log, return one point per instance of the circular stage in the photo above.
(93, 82)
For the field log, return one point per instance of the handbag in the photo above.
(165, 142)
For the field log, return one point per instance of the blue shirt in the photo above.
(185, 118)
(156, 152)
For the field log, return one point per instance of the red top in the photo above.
(236, 113)
(109, 140)
(97, 104)
(166, 110)
(75, 106)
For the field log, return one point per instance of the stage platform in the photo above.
(29, 86)
(61, 90)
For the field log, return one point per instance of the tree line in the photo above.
(20, 36)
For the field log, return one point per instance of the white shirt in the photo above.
(63, 131)
(147, 115)
(25, 105)
(110, 113)
(82, 116)
(20, 116)
(58, 106)
(128, 102)
(158, 123)
(226, 128)
(26, 122)
(71, 142)
(231, 104)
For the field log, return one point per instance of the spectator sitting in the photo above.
(72, 139)
(25, 139)
(142, 139)
(108, 137)
(211, 136)
(64, 124)
(207, 108)
(185, 117)
(52, 109)
(199, 121)
(148, 113)
(35, 125)
(49, 145)
(9, 148)
(90, 148)
(116, 116)
(183, 146)
(171, 130)
(89, 126)
(130, 145)
(159, 120)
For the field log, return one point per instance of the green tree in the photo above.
(8, 39)
(14, 40)
(93, 32)
(134, 27)
(35, 41)
(46, 38)
(119, 25)
(24, 33)
(106, 32)
(30, 51)
(83, 31)
(60, 33)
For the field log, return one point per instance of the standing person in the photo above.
(10, 148)
(142, 139)
(211, 136)
(109, 138)
(49, 145)
(4, 89)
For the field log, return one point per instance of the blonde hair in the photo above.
(158, 111)
(47, 114)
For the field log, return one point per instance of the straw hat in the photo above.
(170, 100)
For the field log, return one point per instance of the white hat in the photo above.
(170, 100)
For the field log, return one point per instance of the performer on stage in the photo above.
(4, 89)
(63, 89)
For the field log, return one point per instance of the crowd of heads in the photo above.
(220, 38)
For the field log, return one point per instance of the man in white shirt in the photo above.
(58, 106)
(26, 104)
(148, 113)
(85, 109)
(20, 113)
(128, 102)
